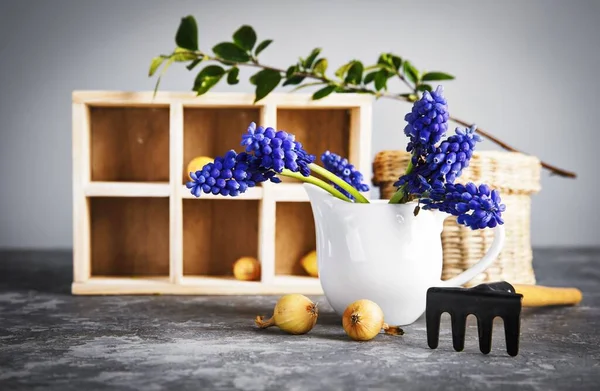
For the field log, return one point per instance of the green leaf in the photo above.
(343, 90)
(355, 73)
(207, 78)
(369, 77)
(311, 58)
(424, 87)
(371, 67)
(253, 79)
(231, 52)
(183, 55)
(323, 92)
(341, 71)
(232, 76)
(290, 71)
(390, 60)
(396, 61)
(320, 66)
(210, 71)
(293, 80)
(168, 63)
(381, 78)
(187, 33)
(411, 72)
(383, 59)
(206, 84)
(245, 37)
(262, 46)
(434, 76)
(155, 64)
(193, 64)
(266, 81)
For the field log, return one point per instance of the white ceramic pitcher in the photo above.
(384, 253)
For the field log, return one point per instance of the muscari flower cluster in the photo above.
(476, 207)
(277, 150)
(228, 175)
(342, 168)
(427, 122)
(267, 153)
(436, 167)
(445, 163)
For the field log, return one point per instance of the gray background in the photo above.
(526, 70)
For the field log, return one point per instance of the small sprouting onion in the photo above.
(293, 313)
(363, 320)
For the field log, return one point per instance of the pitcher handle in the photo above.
(485, 262)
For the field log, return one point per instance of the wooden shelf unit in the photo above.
(138, 230)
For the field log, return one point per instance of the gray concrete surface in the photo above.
(51, 340)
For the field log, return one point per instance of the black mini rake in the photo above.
(485, 301)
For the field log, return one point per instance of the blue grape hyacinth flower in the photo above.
(452, 156)
(445, 163)
(475, 207)
(427, 122)
(342, 168)
(229, 175)
(276, 150)
(415, 182)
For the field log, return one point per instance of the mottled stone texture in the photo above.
(52, 340)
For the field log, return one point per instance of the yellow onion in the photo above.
(363, 320)
(293, 313)
(246, 269)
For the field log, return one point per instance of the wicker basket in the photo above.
(517, 176)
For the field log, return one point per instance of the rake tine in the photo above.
(459, 320)
(512, 326)
(484, 326)
(432, 319)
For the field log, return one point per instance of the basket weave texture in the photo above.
(517, 177)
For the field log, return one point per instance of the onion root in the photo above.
(392, 330)
(263, 324)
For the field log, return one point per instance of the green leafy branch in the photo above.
(353, 77)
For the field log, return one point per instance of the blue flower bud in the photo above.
(344, 170)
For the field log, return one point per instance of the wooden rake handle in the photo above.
(541, 296)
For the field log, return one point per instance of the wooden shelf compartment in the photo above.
(294, 237)
(212, 131)
(129, 237)
(216, 233)
(129, 144)
(138, 230)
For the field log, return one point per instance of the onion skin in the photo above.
(362, 320)
(294, 313)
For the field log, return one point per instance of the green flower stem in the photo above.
(338, 181)
(317, 182)
(399, 194)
